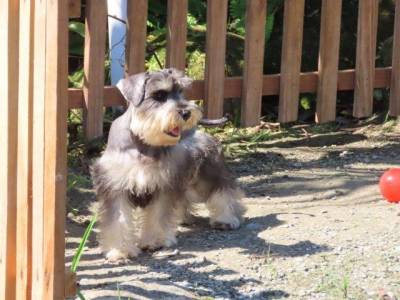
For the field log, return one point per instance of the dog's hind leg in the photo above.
(226, 211)
(159, 224)
(117, 233)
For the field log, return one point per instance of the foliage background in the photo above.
(156, 44)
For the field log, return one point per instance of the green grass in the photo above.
(336, 285)
(79, 251)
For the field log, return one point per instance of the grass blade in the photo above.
(78, 254)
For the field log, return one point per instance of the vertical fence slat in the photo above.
(8, 141)
(49, 148)
(394, 106)
(95, 43)
(328, 60)
(254, 61)
(176, 34)
(55, 132)
(365, 60)
(24, 158)
(291, 60)
(39, 66)
(215, 57)
(136, 36)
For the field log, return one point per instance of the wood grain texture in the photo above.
(233, 87)
(136, 36)
(365, 60)
(176, 34)
(215, 57)
(394, 106)
(55, 154)
(328, 60)
(8, 140)
(24, 152)
(253, 62)
(39, 83)
(291, 60)
(95, 43)
(74, 8)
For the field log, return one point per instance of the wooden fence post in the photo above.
(95, 44)
(256, 11)
(176, 34)
(328, 60)
(9, 16)
(135, 51)
(291, 60)
(215, 57)
(24, 160)
(394, 107)
(365, 60)
(49, 148)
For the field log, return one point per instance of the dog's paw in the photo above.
(231, 224)
(117, 256)
(153, 245)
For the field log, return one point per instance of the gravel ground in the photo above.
(316, 228)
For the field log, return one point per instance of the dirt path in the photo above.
(316, 228)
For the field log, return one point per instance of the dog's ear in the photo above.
(180, 78)
(133, 88)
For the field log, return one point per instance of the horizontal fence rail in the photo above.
(233, 87)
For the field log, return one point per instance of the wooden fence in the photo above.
(325, 82)
(34, 101)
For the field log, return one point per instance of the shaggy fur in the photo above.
(156, 165)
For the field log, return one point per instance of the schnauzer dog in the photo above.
(156, 166)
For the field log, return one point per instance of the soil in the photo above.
(316, 228)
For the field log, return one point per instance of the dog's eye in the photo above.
(160, 96)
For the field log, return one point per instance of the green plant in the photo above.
(77, 257)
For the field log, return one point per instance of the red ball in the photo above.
(390, 185)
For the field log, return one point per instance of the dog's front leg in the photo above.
(116, 224)
(159, 224)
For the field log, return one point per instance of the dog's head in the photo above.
(160, 113)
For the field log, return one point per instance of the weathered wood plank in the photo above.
(328, 60)
(24, 152)
(55, 154)
(215, 57)
(136, 36)
(365, 60)
(9, 16)
(95, 43)
(39, 116)
(253, 62)
(176, 34)
(394, 106)
(291, 60)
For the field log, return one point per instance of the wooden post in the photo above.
(365, 60)
(291, 60)
(9, 17)
(49, 148)
(176, 34)
(136, 36)
(394, 107)
(74, 7)
(215, 57)
(256, 11)
(24, 153)
(95, 43)
(328, 60)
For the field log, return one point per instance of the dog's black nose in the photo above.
(185, 114)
